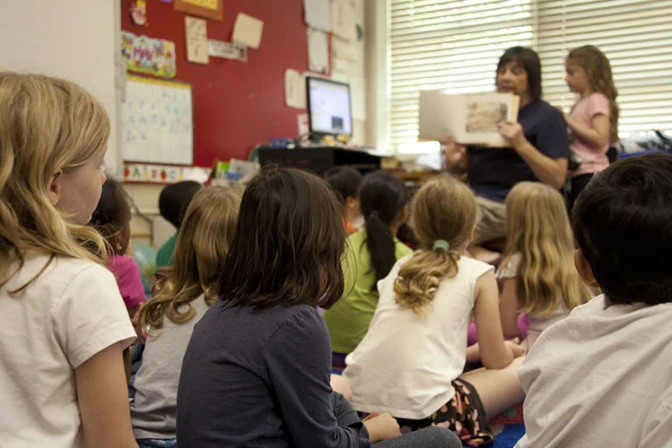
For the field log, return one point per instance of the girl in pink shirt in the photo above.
(593, 121)
(112, 218)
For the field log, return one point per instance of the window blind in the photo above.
(455, 45)
(447, 44)
(636, 36)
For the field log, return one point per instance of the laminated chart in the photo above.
(157, 122)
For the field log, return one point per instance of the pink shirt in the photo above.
(127, 273)
(594, 159)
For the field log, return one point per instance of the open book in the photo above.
(469, 119)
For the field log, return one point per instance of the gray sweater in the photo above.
(155, 405)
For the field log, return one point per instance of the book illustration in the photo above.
(470, 119)
(484, 117)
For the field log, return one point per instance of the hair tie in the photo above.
(442, 244)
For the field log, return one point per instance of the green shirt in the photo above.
(166, 255)
(348, 320)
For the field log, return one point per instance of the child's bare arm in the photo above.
(508, 308)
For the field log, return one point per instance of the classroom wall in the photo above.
(236, 104)
(73, 39)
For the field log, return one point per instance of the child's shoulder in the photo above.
(61, 270)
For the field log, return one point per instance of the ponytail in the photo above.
(382, 198)
(420, 277)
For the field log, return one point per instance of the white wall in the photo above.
(73, 39)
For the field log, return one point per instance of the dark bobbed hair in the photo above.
(112, 216)
(289, 243)
(345, 180)
(528, 59)
(174, 200)
(623, 224)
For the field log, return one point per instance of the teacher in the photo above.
(538, 152)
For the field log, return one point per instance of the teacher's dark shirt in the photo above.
(494, 171)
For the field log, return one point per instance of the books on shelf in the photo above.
(470, 119)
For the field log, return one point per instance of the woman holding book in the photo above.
(538, 152)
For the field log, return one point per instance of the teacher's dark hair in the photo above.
(288, 245)
(529, 60)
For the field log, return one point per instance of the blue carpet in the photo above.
(509, 435)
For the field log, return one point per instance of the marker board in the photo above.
(157, 123)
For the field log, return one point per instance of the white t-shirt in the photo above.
(71, 312)
(406, 362)
(537, 322)
(601, 378)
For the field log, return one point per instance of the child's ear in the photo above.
(584, 269)
(54, 188)
(404, 214)
(472, 234)
(351, 203)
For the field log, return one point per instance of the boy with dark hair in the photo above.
(602, 376)
(346, 181)
(173, 202)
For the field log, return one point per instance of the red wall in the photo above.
(236, 104)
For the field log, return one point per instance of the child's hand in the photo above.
(381, 427)
(562, 111)
(513, 346)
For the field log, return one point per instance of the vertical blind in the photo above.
(636, 37)
(455, 45)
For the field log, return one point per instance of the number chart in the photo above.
(157, 124)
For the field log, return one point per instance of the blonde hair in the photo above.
(203, 243)
(537, 228)
(598, 69)
(46, 125)
(443, 209)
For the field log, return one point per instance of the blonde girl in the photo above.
(593, 121)
(63, 324)
(411, 360)
(537, 275)
(182, 295)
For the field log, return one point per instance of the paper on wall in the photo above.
(318, 51)
(303, 125)
(343, 66)
(227, 50)
(295, 89)
(197, 40)
(343, 19)
(317, 14)
(342, 49)
(147, 55)
(248, 30)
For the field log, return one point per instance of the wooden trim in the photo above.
(190, 8)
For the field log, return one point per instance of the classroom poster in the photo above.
(147, 55)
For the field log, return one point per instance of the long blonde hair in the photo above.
(203, 243)
(598, 69)
(537, 228)
(443, 209)
(46, 125)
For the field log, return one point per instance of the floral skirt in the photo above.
(463, 414)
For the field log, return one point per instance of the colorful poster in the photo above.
(147, 55)
(207, 4)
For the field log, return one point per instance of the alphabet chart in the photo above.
(157, 123)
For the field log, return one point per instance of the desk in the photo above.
(319, 159)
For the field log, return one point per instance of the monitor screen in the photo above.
(328, 107)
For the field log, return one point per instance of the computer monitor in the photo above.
(329, 110)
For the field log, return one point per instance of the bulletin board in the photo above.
(236, 104)
(157, 122)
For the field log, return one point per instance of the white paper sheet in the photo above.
(317, 14)
(197, 40)
(248, 30)
(295, 89)
(343, 19)
(342, 49)
(227, 50)
(318, 51)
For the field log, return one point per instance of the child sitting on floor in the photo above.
(183, 294)
(370, 255)
(601, 377)
(410, 361)
(537, 276)
(173, 202)
(112, 219)
(346, 181)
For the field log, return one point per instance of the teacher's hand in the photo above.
(453, 153)
(512, 131)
